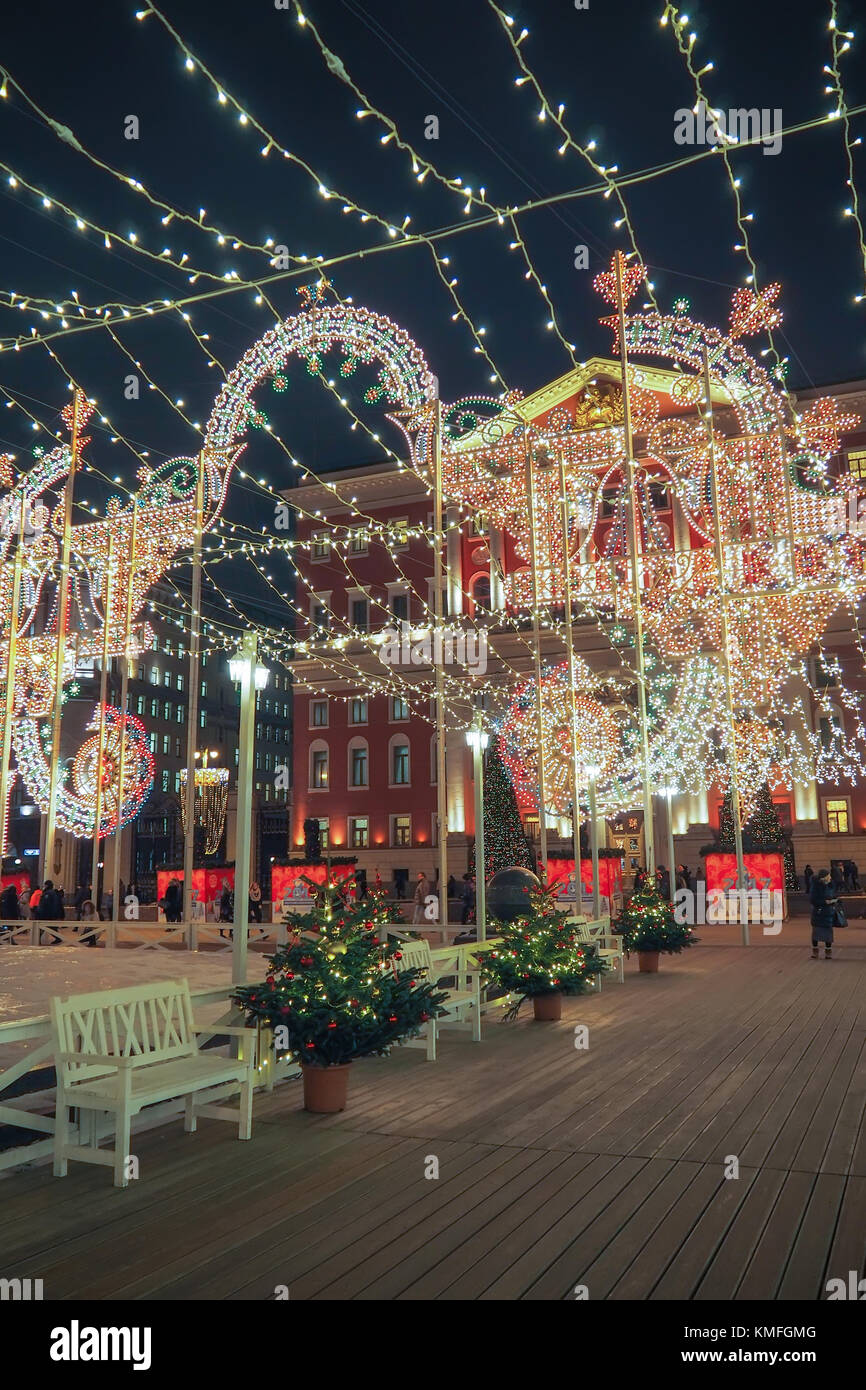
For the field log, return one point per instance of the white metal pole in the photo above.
(671, 865)
(193, 693)
(9, 695)
(124, 700)
(243, 831)
(593, 842)
(480, 849)
(635, 562)
(439, 674)
(726, 661)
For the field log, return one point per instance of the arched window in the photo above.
(479, 590)
(399, 768)
(319, 768)
(359, 763)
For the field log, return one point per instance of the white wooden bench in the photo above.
(463, 1003)
(608, 947)
(120, 1050)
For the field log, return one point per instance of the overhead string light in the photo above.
(841, 43)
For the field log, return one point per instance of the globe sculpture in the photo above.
(508, 893)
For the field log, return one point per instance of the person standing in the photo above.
(808, 875)
(422, 892)
(855, 877)
(468, 897)
(173, 901)
(9, 911)
(255, 904)
(837, 878)
(824, 901)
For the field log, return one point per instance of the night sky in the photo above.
(621, 78)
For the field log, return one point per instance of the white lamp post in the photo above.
(251, 677)
(478, 741)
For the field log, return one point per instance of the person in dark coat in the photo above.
(837, 877)
(808, 875)
(9, 910)
(173, 901)
(824, 900)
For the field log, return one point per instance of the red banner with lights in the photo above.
(763, 871)
(207, 884)
(289, 889)
(560, 877)
(20, 882)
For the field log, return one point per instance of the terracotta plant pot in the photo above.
(547, 1007)
(648, 962)
(325, 1088)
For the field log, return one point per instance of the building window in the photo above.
(400, 533)
(177, 748)
(358, 764)
(357, 711)
(825, 674)
(181, 713)
(203, 689)
(177, 781)
(165, 779)
(399, 708)
(180, 680)
(166, 743)
(359, 614)
(154, 709)
(202, 719)
(401, 831)
(154, 675)
(318, 714)
(139, 704)
(838, 813)
(400, 607)
(166, 678)
(359, 832)
(480, 590)
(166, 710)
(319, 619)
(151, 741)
(324, 832)
(830, 729)
(320, 548)
(319, 768)
(530, 828)
(400, 764)
(358, 541)
(857, 463)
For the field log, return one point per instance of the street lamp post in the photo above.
(251, 677)
(478, 741)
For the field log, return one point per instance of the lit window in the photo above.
(838, 818)
(401, 830)
(154, 709)
(166, 710)
(359, 832)
(165, 779)
(400, 533)
(180, 680)
(324, 832)
(857, 462)
(166, 743)
(154, 675)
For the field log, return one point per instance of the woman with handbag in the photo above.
(825, 904)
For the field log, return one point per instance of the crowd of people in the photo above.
(48, 904)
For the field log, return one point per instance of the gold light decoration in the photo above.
(211, 803)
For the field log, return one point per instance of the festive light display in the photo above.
(125, 739)
(211, 803)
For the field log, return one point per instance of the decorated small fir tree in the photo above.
(762, 831)
(505, 845)
(539, 953)
(337, 991)
(647, 923)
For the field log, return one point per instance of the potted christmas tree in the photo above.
(538, 957)
(648, 925)
(336, 993)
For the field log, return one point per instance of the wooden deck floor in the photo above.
(557, 1167)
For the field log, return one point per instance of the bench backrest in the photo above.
(149, 1023)
(415, 955)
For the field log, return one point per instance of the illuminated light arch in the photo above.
(76, 810)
